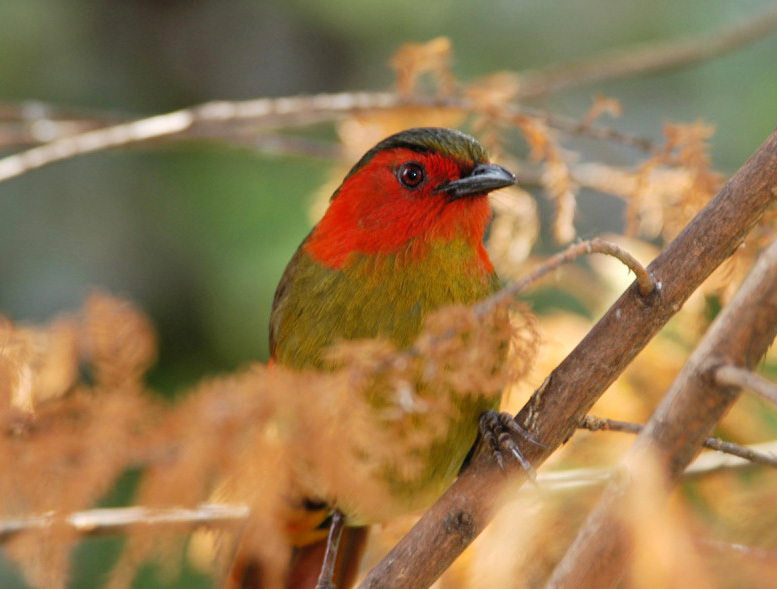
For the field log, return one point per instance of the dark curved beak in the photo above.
(481, 180)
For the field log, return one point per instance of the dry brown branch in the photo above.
(271, 112)
(275, 144)
(56, 125)
(741, 550)
(734, 376)
(62, 129)
(566, 396)
(707, 462)
(651, 57)
(645, 280)
(32, 111)
(575, 127)
(713, 461)
(212, 120)
(98, 522)
(595, 424)
(691, 408)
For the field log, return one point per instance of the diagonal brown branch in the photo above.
(675, 432)
(213, 120)
(553, 412)
(649, 58)
(272, 112)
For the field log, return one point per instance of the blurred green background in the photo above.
(198, 235)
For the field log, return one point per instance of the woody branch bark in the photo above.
(557, 407)
(688, 413)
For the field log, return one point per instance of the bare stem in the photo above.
(595, 424)
(216, 120)
(645, 280)
(746, 379)
(96, 522)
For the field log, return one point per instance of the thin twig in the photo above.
(594, 424)
(746, 379)
(271, 113)
(97, 522)
(645, 280)
(511, 290)
(32, 111)
(740, 550)
(575, 127)
(658, 56)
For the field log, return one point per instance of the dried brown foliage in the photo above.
(412, 60)
(64, 442)
(258, 438)
(264, 437)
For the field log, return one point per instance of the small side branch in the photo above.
(595, 424)
(270, 111)
(96, 522)
(743, 551)
(746, 379)
(647, 284)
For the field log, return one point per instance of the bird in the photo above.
(402, 237)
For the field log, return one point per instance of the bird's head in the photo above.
(418, 185)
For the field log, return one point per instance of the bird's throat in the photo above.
(406, 231)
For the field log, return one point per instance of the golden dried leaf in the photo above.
(412, 60)
(557, 181)
(514, 230)
(38, 364)
(119, 338)
(602, 105)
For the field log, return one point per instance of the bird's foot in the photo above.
(497, 430)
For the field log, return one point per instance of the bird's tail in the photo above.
(305, 565)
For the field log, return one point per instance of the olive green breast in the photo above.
(373, 296)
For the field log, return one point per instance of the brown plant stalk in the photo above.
(747, 379)
(596, 424)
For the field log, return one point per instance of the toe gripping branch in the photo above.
(497, 431)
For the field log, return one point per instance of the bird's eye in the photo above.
(411, 175)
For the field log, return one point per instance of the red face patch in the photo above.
(393, 199)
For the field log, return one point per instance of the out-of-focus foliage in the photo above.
(198, 236)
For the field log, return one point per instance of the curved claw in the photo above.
(497, 430)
